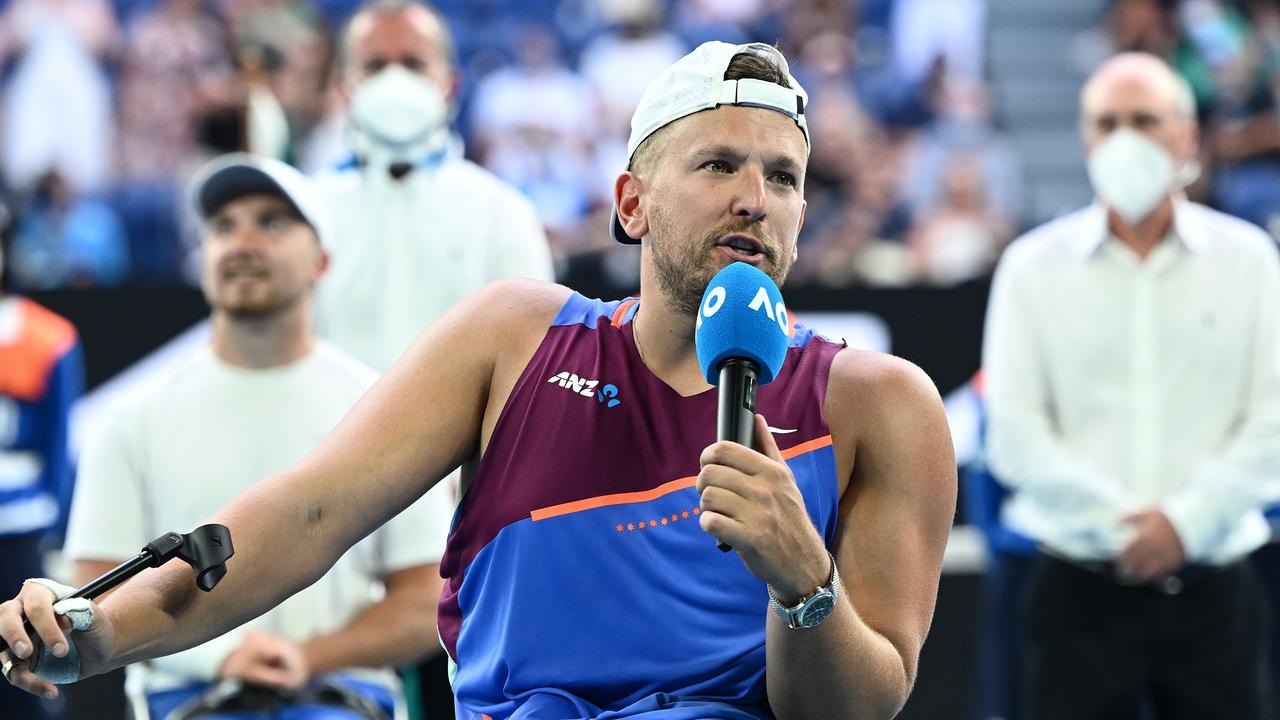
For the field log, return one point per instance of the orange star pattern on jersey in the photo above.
(674, 518)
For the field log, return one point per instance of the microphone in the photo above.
(741, 341)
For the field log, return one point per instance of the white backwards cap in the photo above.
(696, 83)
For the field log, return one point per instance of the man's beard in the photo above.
(256, 307)
(683, 276)
(252, 311)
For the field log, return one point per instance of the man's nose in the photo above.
(242, 239)
(750, 199)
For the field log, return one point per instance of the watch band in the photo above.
(795, 616)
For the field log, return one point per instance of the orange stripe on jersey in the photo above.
(806, 446)
(25, 365)
(664, 489)
(621, 312)
(615, 499)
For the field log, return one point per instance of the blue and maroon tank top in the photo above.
(578, 581)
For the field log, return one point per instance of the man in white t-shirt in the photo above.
(417, 226)
(249, 405)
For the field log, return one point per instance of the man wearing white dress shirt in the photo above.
(1133, 369)
(416, 225)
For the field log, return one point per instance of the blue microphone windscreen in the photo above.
(742, 316)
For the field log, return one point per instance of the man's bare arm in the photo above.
(421, 420)
(892, 440)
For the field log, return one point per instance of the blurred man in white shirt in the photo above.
(1134, 395)
(252, 402)
(417, 226)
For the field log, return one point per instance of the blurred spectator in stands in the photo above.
(283, 49)
(417, 225)
(733, 21)
(328, 143)
(1265, 17)
(177, 79)
(1226, 67)
(927, 33)
(534, 123)
(57, 100)
(839, 128)
(618, 64)
(179, 100)
(856, 234)
(961, 233)
(1149, 26)
(812, 18)
(66, 239)
(832, 59)
(964, 125)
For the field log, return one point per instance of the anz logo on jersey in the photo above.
(606, 395)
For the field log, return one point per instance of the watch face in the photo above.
(817, 610)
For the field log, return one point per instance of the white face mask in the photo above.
(1131, 173)
(398, 115)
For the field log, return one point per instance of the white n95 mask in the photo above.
(1131, 173)
(398, 115)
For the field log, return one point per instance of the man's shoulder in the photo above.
(1229, 232)
(877, 379)
(513, 305)
(875, 398)
(1055, 237)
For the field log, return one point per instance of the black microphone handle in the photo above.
(736, 411)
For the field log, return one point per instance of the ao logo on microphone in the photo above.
(776, 312)
(740, 316)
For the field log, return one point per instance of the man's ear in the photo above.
(452, 87)
(626, 196)
(322, 265)
(1191, 142)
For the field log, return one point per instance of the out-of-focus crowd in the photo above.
(107, 106)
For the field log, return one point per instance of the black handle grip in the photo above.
(736, 408)
(206, 549)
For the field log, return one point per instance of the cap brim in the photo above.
(618, 232)
(234, 182)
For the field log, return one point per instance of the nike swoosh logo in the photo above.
(780, 431)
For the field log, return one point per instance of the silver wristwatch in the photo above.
(813, 608)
